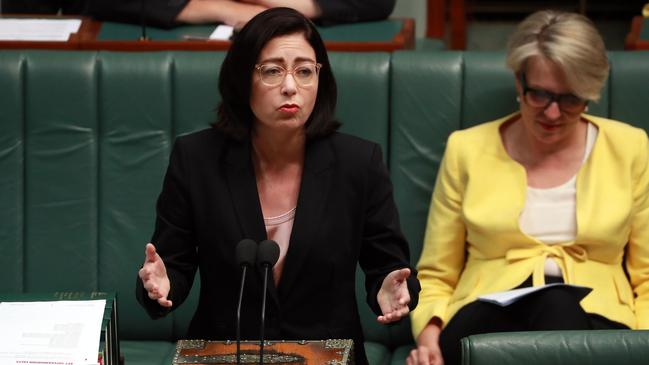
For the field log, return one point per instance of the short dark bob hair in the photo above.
(235, 117)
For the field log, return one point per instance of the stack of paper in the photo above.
(38, 29)
(54, 333)
(505, 298)
(222, 32)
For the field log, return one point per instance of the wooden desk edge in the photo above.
(73, 42)
(86, 39)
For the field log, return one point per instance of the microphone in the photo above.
(246, 251)
(267, 255)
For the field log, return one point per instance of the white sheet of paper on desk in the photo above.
(505, 298)
(38, 29)
(222, 32)
(56, 332)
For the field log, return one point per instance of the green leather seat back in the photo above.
(604, 347)
(48, 175)
(12, 164)
(138, 113)
(426, 108)
(629, 86)
(363, 95)
(363, 109)
(488, 89)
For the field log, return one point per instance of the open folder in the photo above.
(51, 332)
(505, 298)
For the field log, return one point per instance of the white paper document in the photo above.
(505, 298)
(222, 32)
(52, 333)
(12, 29)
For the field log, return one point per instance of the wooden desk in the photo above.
(638, 36)
(201, 352)
(381, 36)
(86, 32)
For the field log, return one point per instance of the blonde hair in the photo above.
(568, 39)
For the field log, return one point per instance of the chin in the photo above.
(549, 138)
(290, 124)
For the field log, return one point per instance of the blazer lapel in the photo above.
(315, 185)
(243, 190)
(245, 200)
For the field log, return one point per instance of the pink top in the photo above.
(279, 230)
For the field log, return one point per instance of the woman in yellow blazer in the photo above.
(548, 194)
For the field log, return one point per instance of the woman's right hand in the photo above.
(427, 351)
(154, 277)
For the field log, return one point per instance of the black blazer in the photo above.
(345, 215)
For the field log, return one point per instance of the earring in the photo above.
(586, 109)
(518, 99)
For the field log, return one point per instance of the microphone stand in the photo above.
(263, 316)
(268, 253)
(243, 281)
(246, 252)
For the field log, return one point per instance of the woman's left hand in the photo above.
(394, 297)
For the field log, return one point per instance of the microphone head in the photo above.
(268, 253)
(246, 252)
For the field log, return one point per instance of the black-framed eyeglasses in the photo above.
(304, 74)
(539, 98)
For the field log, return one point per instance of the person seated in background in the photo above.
(274, 167)
(545, 195)
(43, 7)
(169, 13)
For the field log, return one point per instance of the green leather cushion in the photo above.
(377, 353)
(400, 354)
(147, 352)
(605, 347)
(629, 87)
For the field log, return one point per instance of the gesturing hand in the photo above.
(154, 277)
(394, 297)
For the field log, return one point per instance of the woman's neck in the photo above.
(528, 150)
(273, 149)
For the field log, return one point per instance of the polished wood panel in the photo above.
(88, 39)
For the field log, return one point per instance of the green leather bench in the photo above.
(85, 136)
(557, 347)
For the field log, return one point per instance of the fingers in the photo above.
(155, 293)
(165, 302)
(403, 274)
(393, 316)
(400, 275)
(152, 288)
(419, 356)
(422, 355)
(150, 252)
(405, 298)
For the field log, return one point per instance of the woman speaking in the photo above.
(274, 167)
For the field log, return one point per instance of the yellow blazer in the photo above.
(473, 244)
